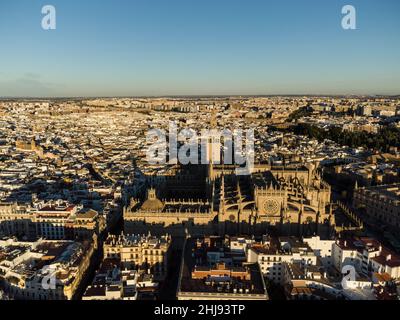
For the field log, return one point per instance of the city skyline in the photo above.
(127, 49)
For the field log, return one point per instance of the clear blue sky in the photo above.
(184, 47)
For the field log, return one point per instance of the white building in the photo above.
(322, 249)
(110, 283)
(43, 270)
(367, 256)
(273, 254)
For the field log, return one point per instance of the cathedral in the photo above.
(212, 199)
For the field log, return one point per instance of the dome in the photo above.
(152, 203)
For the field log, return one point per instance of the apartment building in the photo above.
(367, 255)
(112, 283)
(143, 252)
(53, 220)
(211, 270)
(273, 253)
(45, 269)
(380, 204)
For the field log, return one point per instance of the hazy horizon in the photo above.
(197, 96)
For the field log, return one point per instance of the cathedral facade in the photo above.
(212, 199)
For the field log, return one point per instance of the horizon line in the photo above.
(196, 96)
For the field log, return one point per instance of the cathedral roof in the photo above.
(152, 203)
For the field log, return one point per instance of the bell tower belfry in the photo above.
(213, 146)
